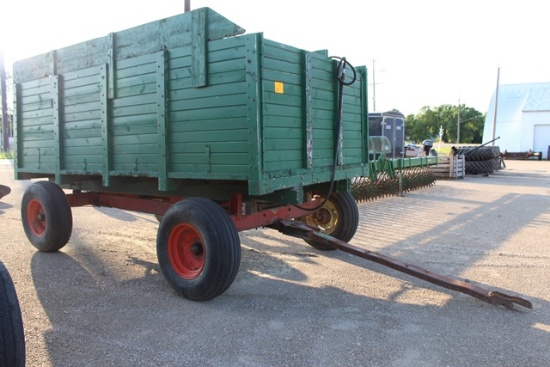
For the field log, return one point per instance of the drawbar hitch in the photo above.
(303, 231)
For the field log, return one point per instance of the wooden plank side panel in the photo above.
(35, 97)
(133, 117)
(141, 40)
(283, 111)
(238, 125)
(35, 128)
(136, 76)
(208, 125)
(354, 123)
(326, 115)
(137, 152)
(81, 120)
(324, 94)
(172, 32)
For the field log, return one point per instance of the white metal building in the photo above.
(522, 120)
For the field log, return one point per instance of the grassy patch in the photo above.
(444, 150)
(6, 155)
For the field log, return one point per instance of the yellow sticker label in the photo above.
(279, 87)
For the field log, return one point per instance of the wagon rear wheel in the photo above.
(198, 248)
(12, 342)
(46, 216)
(338, 217)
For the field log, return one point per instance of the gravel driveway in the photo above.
(102, 301)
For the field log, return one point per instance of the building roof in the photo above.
(525, 97)
(513, 101)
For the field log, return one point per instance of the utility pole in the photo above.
(496, 106)
(187, 5)
(373, 88)
(5, 115)
(458, 124)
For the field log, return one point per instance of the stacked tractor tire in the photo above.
(480, 160)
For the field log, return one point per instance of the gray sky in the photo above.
(425, 52)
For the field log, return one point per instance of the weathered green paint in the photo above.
(308, 112)
(111, 65)
(199, 53)
(53, 62)
(17, 134)
(182, 101)
(253, 115)
(362, 71)
(162, 129)
(57, 146)
(105, 125)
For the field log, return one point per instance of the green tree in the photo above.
(427, 123)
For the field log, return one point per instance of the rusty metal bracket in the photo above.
(301, 230)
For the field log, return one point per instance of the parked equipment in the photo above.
(390, 124)
(522, 155)
(212, 131)
(427, 145)
(481, 159)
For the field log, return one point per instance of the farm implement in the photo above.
(391, 177)
(214, 132)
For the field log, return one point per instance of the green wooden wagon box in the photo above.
(247, 130)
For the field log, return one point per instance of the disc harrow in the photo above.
(391, 183)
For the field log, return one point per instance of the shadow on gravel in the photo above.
(116, 213)
(537, 175)
(449, 243)
(98, 319)
(275, 268)
(4, 206)
(102, 313)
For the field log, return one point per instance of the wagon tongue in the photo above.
(300, 230)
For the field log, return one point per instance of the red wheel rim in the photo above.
(186, 251)
(36, 218)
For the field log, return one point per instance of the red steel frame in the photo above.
(281, 218)
(159, 206)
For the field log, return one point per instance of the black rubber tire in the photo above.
(46, 216)
(210, 264)
(12, 335)
(340, 210)
(484, 154)
(479, 167)
(476, 154)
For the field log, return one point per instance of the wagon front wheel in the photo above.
(338, 217)
(46, 215)
(198, 248)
